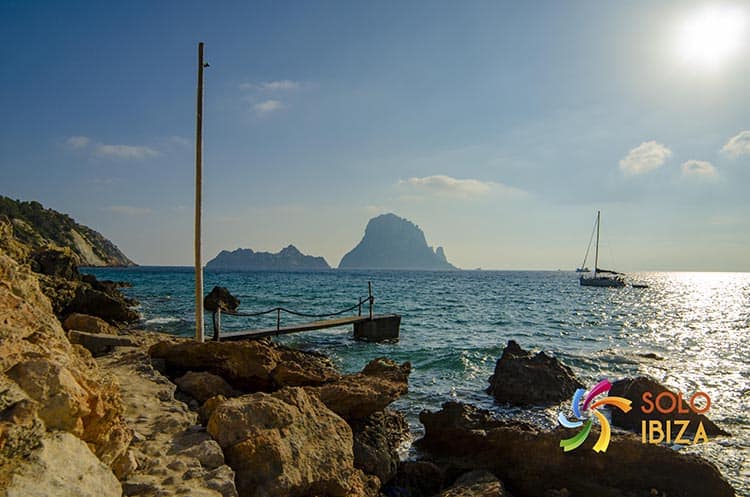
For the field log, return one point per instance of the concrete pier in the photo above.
(379, 328)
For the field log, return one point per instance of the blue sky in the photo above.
(498, 127)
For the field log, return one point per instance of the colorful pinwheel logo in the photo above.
(584, 419)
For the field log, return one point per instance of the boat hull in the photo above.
(598, 281)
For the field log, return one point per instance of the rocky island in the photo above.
(391, 242)
(287, 259)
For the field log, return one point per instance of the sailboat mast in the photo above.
(596, 258)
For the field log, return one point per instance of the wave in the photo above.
(163, 320)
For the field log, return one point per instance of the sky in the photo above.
(500, 128)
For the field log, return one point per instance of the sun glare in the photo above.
(710, 36)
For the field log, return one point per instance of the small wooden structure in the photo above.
(374, 328)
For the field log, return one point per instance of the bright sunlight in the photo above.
(711, 35)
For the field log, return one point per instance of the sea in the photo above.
(687, 330)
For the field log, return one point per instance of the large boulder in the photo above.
(220, 298)
(64, 467)
(634, 388)
(376, 441)
(113, 308)
(531, 462)
(89, 324)
(358, 395)
(202, 386)
(288, 444)
(251, 366)
(523, 378)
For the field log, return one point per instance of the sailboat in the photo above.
(600, 277)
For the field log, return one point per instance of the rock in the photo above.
(376, 441)
(97, 344)
(114, 309)
(476, 484)
(250, 366)
(391, 242)
(288, 443)
(522, 378)
(208, 453)
(202, 386)
(124, 465)
(21, 430)
(356, 396)
(287, 259)
(208, 407)
(297, 368)
(634, 388)
(55, 261)
(88, 324)
(220, 298)
(415, 479)
(64, 467)
(63, 402)
(70, 390)
(530, 461)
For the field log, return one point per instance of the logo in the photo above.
(583, 416)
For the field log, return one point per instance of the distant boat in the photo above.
(601, 277)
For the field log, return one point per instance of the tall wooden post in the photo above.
(199, 199)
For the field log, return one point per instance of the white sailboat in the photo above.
(600, 277)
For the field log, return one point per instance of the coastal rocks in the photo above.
(202, 386)
(356, 396)
(88, 324)
(64, 467)
(415, 479)
(170, 454)
(220, 298)
(288, 444)
(71, 392)
(21, 430)
(376, 441)
(111, 307)
(634, 388)
(531, 462)
(523, 378)
(476, 484)
(250, 366)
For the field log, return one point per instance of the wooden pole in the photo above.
(199, 199)
(369, 291)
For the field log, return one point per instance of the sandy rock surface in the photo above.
(171, 454)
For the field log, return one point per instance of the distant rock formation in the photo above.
(391, 242)
(288, 259)
(38, 227)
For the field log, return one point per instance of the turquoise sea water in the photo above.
(455, 325)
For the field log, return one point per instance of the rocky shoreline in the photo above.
(89, 409)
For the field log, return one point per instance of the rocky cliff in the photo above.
(288, 259)
(391, 242)
(38, 227)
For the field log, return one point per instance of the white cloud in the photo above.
(443, 185)
(78, 141)
(125, 151)
(128, 210)
(644, 158)
(698, 168)
(738, 144)
(280, 85)
(267, 106)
